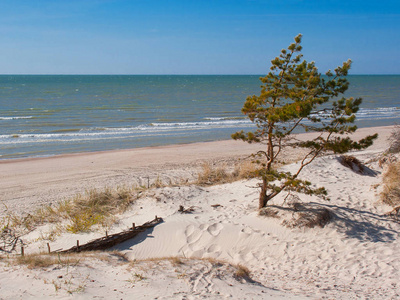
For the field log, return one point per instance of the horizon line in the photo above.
(111, 74)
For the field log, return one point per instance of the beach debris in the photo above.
(9, 240)
(355, 165)
(216, 205)
(113, 239)
(395, 213)
(182, 209)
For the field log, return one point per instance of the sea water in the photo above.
(42, 115)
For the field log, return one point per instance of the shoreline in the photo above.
(167, 146)
(26, 183)
(14, 157)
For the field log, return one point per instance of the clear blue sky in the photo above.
(194, 36)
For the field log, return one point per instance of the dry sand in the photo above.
(356, 255)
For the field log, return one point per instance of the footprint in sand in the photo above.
(203, 227)
(215, 229)
(192, 234)
(246, 256)
(189, 230)
(247, 230)
(214, 248)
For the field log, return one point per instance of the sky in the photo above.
(195, 36)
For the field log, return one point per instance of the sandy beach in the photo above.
(356, 255)
(27, 183)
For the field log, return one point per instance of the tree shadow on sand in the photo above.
(363, 225)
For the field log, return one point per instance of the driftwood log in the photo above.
(111, 240)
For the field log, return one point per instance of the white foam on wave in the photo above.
(121, 132)
(215, 118)
(369, 113)
(153, 129)
(383, 112)
(222, 123)
(16, 118)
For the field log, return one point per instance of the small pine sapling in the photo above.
(295, 96)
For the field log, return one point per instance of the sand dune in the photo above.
(356, 255)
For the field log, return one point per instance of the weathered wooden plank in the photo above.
(111, 240)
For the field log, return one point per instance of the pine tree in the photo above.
(295, 96)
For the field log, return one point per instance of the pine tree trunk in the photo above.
(262, 202)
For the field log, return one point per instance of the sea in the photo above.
(46, 115)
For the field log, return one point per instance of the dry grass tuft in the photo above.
(211, 174)
(34, 261)
(176, 261)
(354, 164)
(184, 267)
(242, 272)
(391, 156)
(394, 139)
(158, 183)
(214, 262)
(391, 185)
(245, 170)
(93, 208)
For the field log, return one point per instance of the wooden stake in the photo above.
(77, 244)
(133, 226)
(48, 247)
(22, 250)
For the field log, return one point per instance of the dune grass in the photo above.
(394, 140)
(391, 185)
(98, 208)
(212, 174)
(391, 177)
(80, 213)
(34, 261)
